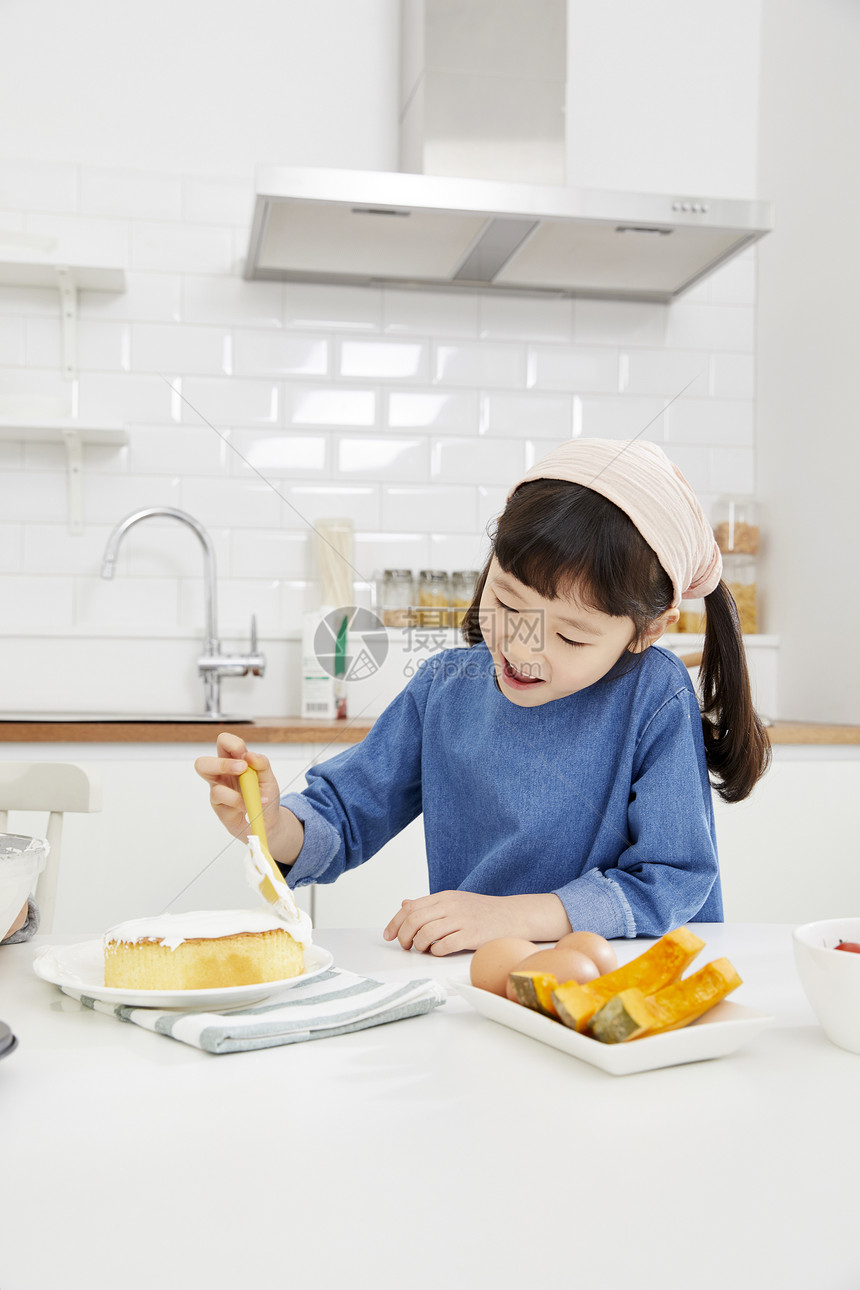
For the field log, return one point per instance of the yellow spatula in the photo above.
(249, 786)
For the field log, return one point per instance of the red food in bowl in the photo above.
(851, 946)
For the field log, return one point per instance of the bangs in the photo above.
(566, 541)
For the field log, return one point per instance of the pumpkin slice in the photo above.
(630, 1015)
(534, 990)
(659, 966)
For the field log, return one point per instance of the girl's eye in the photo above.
(575, 644)
(507, 608)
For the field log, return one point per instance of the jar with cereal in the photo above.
(736, 526)
(739, 575)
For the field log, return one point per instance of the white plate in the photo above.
(720, 1031)
(81, 967)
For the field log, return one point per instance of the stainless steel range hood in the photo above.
(479, 201)
(407, 230)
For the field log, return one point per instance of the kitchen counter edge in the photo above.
(298, 730)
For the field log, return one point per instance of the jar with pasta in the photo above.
(739, 575)
(432, 598)
(736, 526)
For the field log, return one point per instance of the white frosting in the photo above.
(171, 930)
(257, 869)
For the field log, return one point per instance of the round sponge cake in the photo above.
(201, 951)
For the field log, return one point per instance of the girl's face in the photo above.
(547, 649)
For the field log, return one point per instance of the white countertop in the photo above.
(444, 1150)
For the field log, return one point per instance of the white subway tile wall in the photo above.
(261, 408)
(12, 333)
(11, 547)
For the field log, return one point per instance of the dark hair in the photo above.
(557, 537)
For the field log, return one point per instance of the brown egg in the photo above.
(564, 964)
(596, 947)
(492, 963)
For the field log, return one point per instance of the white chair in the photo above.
(55, 787)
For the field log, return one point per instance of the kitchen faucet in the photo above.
(211, 664)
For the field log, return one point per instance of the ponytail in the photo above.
(737, 748)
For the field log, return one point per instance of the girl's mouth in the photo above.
(518, 680)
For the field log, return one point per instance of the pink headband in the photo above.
(641, 480)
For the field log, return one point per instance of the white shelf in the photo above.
(44, 273)
(74, 436)
(68, 280)
(59, 432)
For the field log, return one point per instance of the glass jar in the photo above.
(463, 583)
(692, 619)
(397, 597)
(736, 526)
(433, 598)
(739, 575)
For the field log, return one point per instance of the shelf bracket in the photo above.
(75, 478)
(68, 320)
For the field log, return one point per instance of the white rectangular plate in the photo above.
(722, 1030)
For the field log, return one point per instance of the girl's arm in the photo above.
(352, 804)
(357, 801)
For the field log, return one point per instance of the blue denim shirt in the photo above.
(601, 797)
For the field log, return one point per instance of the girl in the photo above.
(561, 760)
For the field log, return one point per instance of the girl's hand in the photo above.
(222, 775)
(449, 921)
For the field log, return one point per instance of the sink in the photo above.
(129, 718)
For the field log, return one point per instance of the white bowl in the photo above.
(831, 977)
(22, 859)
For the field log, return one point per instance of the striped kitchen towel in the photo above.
(333, 1003)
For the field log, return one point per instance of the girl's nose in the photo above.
(524, 637)
(525, 657)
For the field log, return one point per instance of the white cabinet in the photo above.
(790, 853)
